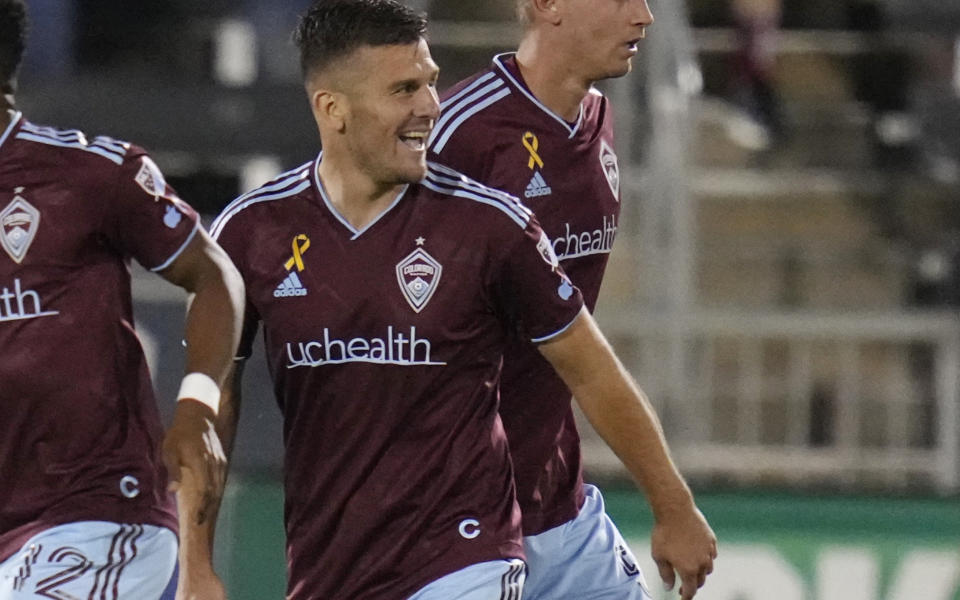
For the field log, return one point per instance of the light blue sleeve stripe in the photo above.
(110, 144)
(442, 175)
(507, 201)
(217, 227)
(547, 338)
(112, 157)
(456, 97)
(452, 127)
(462, 193)
(180, 250)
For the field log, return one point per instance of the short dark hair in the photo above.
(13, 35)
(331, 29)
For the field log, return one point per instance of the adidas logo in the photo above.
(291, 286)
(537, 187)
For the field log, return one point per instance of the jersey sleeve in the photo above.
(536, 296)
(471, 157)
(230, 236)
(149, 221)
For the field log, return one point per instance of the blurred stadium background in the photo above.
(785, 291)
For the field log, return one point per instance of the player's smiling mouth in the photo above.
(415, 140)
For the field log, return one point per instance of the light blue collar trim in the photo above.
(336, 213)
(498, 60)
(15, 118)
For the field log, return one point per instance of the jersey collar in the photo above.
(500, 63)
(15, 118)
(336, 213)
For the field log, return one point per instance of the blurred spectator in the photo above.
(881, 80)
(757, 23)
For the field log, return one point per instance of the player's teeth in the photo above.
(414, 140)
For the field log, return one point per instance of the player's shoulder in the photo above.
(75, 147)
(250, 207)
(474, 108)
(446, 183)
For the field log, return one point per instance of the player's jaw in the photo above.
(411, 149)
(622, 61)
(613, 30)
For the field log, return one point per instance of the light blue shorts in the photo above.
(583, 559)
(91, 559)
(494, 580)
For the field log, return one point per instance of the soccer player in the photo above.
(85, 510)
(387, 288)
(532, 124)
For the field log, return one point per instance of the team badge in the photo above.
(545, 246)
(18, 226)
(611, 168)
(418, 275)
(150, 178)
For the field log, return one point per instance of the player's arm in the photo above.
(213, 325)
(618, 410)
(198, 515)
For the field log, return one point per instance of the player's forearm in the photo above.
(196, 536)
(199, 512)
(622, 415)
(619, 412)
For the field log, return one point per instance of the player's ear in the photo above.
(329, 108)
(546, 10)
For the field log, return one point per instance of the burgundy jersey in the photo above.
(80, 432)
(494, 130)
(385, 347)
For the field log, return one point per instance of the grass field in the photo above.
(773, 546)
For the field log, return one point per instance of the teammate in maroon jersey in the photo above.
(533, 125)
(85, 510)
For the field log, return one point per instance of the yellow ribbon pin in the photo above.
(301, 244)
(532, 144)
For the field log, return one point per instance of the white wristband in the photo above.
(202, 388)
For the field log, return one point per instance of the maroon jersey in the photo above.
(79, 427)
(494, 130)
(385, 346)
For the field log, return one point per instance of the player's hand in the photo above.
(192, 443)
(683, 543)
(200, 583)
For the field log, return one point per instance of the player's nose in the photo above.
(641, 14)
(428, 105)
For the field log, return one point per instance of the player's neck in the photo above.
(549, 76)
(357, 197)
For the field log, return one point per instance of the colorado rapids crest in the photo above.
(418, 275)
(611, 168)
(18, 226)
